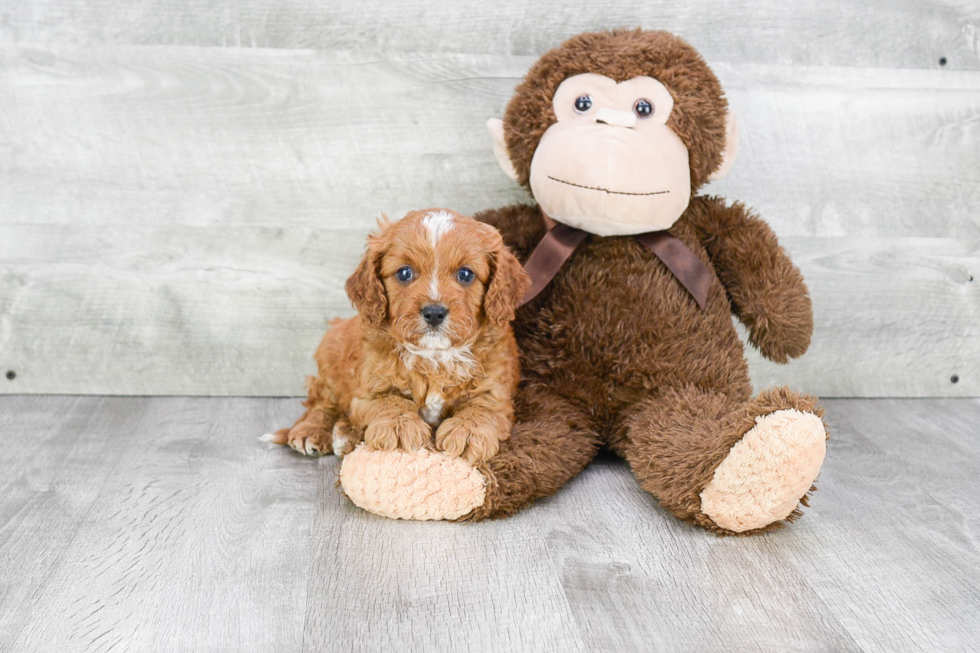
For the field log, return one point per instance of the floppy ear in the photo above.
(365, 288)
(508, 284)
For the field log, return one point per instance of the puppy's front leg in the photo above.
(477, 428)
(390, 421)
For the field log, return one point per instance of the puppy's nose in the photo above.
(434, 314)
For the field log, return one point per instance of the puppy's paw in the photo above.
(407, 431)
(309, 439)
(345, 438)
(474, 442)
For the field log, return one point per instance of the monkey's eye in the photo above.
(405, 274)
(643, 108)
(465, 276)
(583, 103)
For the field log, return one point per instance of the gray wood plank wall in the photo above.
(184, 186)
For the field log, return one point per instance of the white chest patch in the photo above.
(458, 360)
(434, 341)
(432, 411)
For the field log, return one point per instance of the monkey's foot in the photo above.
(767, 473)
(419, 485)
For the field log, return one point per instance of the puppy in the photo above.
(430, 348)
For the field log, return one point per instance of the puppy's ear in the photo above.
(508, 284)
(365, 288)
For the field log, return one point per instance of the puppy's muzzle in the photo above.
(434, 314)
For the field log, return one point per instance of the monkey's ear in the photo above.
(496, 128)
(731, 147)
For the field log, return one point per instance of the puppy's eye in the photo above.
(583, 103)
(465, 276)
(405, 274)
(643, 108)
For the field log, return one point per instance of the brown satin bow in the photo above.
(561, 241)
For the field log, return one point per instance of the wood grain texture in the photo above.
(144, 310)
(893, 317)
(181, 220)
(234, 136)
(162, 523)
(888, 33)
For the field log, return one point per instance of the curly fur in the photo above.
(387, 377)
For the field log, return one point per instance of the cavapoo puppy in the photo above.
(430, 348)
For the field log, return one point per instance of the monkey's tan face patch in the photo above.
(611, 165)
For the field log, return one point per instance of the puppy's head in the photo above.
(435, 278)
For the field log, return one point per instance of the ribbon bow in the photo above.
(561, 241)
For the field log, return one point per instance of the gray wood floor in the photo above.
(163, 524)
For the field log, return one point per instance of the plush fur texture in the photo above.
(632, 362)
(699, 103)
(767, 471)
(615, 352)
(399, 485)
(388, 377)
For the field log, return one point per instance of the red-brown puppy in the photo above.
(430, 348)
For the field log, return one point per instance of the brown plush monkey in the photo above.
(627, 340)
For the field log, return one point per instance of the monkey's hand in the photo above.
(766, 290)
(780, 322)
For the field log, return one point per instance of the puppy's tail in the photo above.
(279, 437)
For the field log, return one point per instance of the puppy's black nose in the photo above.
(434, 314)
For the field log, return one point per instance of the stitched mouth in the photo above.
(605, 190)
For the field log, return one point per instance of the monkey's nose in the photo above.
(607, 116)
(434, 314)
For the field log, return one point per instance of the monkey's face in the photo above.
(610, 165)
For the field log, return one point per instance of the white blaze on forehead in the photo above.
(434, 285)
(437, 223)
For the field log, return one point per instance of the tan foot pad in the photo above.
(767, 472)
(402, 485)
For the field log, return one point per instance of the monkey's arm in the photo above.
(767, 291)
(521, 226)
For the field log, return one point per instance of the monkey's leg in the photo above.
(550, 443)
(729, 467)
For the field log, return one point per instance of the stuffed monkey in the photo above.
(626, 336)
